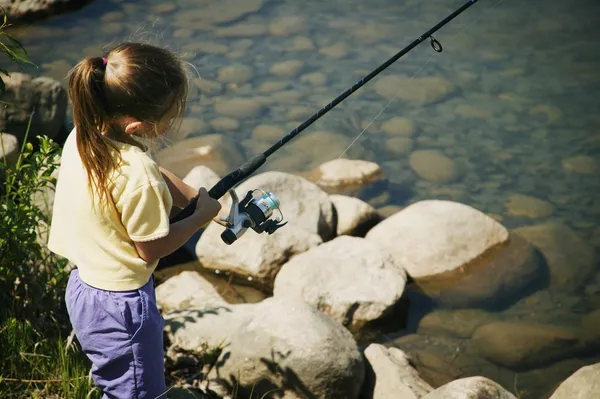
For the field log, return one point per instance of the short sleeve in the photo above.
(145, 211)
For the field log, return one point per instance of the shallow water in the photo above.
(516, 107)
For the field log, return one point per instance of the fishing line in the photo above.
(412, 77)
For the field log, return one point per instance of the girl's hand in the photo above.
(207, 207)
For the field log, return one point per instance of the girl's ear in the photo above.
(133, 127)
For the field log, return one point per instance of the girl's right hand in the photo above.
(206, 206)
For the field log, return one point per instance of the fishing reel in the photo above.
(251, 213)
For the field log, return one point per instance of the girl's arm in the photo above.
(181, 192)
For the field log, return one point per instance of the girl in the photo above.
(111, 212)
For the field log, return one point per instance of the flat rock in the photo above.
(349, 177)
(239, 107)
(399, 126)
(522, 345)
(27, 93)
(326, 277)
(390, 375)
(571, 260)
(582, 164)
(354, 216)
(235, 74)
(471, 388)
(528, 206)
(214, 151)
(437, 241)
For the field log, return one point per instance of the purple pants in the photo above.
(121, 332)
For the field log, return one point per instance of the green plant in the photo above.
(12, 48)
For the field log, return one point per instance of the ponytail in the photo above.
(91, 118)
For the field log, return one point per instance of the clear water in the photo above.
(525, 100)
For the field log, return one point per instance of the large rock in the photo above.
(9, 149)
(583, 384)
(28, 10)
(349, 278)
(471, 388)
(201, 176)
(219, 153)
(571, 260)
(257, 257)
(349, 176)
(186, 290)
(522, 345)
(354, 216)
(280, 343)
(440, 242)
(42, 96)
(461, 323)
(390, 375)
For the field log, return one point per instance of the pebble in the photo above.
(242, 30)
(285, 26)
(528, 206)
(419, 91)
(551, 113)
(299, 112)
(235, 74)
(286, 68)
(582, 164)
(239, 107)
(268, 132)
(314, 78)
(470, 111)
(399, 145)
(224, 124)
(336, 51)
(269, 87)
(434, 166)
(302, 43)
(398, 126)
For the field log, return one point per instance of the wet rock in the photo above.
(438, 241)
(354, 216)
(528, 206)
(348, 176)
(471, 388)
(9, 149)
(268, 132)
(213, 151)
(326, 278)
(582, 164)
(589, 327)
(398, 126)
(191, 127)
(26, 93)
(315, 79)
(419, 91)
(235, 74)
(299, 112)
(186, 290)
(571, 261)
(522, 345)
(336, 51)
(583, 384)
(550, 113)
(239, 107)
(208, 47)
(470, 111)
(269, 87)
(218, 13)
(31, 10)
(399, 145)
(498, 281)
(201, 176)
(285, 26)
(242, 30)
(302, 43)
(207, 86)
(390, 375)
(224, 124)
(434, 166)
(460, 323)
(287, 68)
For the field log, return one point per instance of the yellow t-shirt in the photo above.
(100, 243)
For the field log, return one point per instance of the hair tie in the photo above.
(104, 61)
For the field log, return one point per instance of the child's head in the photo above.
(135, 90)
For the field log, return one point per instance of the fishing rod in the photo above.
(255, 212)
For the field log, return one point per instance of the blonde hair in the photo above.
(133, 79)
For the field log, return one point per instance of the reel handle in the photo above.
(226, 183)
